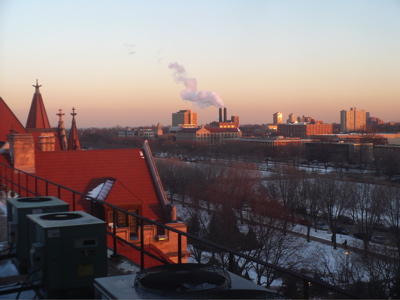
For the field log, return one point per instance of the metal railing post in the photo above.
(36, 186)
(115, 232)
(306, 289)
(19, 183)
(91, 206)
(73, 201)
(27, 185)
(231, 263)
(141, 244)
(179, 248)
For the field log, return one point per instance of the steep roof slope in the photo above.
(8, 122)
(37, 117)
(83, 170)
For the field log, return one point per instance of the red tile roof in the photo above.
(8, 122)
(84, 170)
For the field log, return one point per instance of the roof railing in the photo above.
(21, 182)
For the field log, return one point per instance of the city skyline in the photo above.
(133, 63)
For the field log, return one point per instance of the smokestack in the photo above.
(224, 114)
(220, 114)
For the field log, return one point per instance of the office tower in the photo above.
(184, 118)
(352, 120)
(291, 119)
(277, 118)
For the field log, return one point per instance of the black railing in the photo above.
(10, 179)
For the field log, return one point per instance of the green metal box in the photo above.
(68, 250)
(17, 210)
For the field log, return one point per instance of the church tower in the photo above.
(73, 139)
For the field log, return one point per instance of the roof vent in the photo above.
(61, 216)
(241, 294)
(182, 279)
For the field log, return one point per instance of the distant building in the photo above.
(209, 135)
(184, 118)
(390, 127)
(304, 119)
(345, 152)
(147, 133)
(291, 119)
(303, 130)
(224, 122)
(353, 120)
(277, 118)
(272, 141)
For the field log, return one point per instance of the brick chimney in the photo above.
(47, 141)
(22, 151)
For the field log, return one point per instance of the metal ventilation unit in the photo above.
(68, 250)
(17, 210)
(181, 281)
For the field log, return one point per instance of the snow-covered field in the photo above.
(317, 256)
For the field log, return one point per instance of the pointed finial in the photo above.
(37, 86)
(60, 114)
(73, 114)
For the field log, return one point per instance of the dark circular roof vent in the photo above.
(61, 216)
(241, 294)
(182, 279)
(34, 199)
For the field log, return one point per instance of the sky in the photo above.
(134, 63)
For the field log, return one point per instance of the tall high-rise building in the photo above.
(353, 120)
(277, 118)
(291, 119)
(184, 118)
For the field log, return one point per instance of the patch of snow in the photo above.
(7, 268)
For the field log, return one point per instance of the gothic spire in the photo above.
(73, 139)
(37, 117)
(61, 131)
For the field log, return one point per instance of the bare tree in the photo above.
(333, 202)
(366, 208)
(275, 247)
(308, 201)
(382, 270)
(284, 188)
(393, 218)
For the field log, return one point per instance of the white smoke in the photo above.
(203, 98)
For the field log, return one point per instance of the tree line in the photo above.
(233, 204)
(381, 162)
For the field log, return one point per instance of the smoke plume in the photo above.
(203, 98)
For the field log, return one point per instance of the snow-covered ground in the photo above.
(317, 256)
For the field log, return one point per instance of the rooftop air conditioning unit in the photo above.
(181, 281)
(17, 210)
(68, 250)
